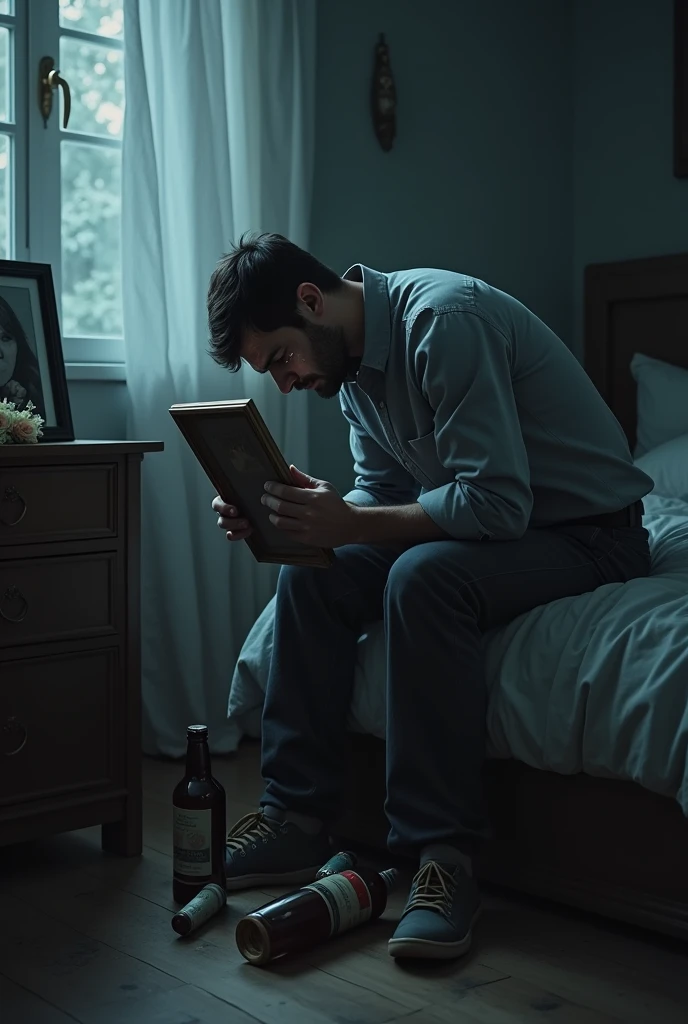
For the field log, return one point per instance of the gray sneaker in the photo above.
(442, 908)
(262, 851)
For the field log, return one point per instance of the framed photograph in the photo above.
(233, 444)
(31, 363)
(681, 88)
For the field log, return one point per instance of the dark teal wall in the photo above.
(627, 203)
(480, 177)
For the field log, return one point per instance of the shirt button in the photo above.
(381, 405)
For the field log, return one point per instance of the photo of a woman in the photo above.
(20, 378)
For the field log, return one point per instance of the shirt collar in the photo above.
(377, 315)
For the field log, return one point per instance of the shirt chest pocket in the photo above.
(423, 454)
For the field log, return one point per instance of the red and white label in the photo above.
(347, 899)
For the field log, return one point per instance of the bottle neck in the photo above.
(390, 877)
(198, 760)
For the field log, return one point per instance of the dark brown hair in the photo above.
(254, 286)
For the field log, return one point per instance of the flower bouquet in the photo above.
(19, 426)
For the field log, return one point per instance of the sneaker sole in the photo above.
(428, 949)
(300, 877)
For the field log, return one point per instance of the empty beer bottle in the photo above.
(199, 822)
(316, 912)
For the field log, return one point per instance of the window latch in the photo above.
(49, 79)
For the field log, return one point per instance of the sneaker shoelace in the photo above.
(247, 830)
(433, 889)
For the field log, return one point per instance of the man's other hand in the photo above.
(230, 521)
(312, 511)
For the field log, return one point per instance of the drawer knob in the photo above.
(12, 496)
(14, 596)
(13, 737)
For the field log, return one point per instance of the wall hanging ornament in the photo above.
(384, 96)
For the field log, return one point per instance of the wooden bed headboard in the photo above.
(634, 306)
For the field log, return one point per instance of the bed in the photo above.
(587, 775)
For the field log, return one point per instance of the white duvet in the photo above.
(596, 683)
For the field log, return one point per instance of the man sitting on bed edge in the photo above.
(491, 477)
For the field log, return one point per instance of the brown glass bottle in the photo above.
(316, 912)
(199, 822)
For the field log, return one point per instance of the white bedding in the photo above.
(596, 683)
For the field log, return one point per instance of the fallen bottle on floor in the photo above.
(314, 913)
(210, 901)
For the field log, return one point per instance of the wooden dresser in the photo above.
(70, 672)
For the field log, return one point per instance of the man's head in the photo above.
(275, 306)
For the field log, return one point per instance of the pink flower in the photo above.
(5, 419)
(24, 432)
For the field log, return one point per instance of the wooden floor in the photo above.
(86, 937)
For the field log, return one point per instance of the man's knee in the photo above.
(417, 571)
(306, 578)
(296, 578)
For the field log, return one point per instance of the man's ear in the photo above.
(309, 299)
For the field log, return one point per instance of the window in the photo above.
(12, 136)
(66, 210)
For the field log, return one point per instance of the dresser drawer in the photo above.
(60, 725)
(50, 503)
(63, 598)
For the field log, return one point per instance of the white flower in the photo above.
(24, 431)
(6, 418)
(19, 427)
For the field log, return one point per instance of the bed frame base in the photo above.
(599, 845)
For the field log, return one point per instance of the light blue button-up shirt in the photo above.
(469, 404)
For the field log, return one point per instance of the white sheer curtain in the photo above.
(218, 140)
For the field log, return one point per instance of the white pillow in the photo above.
(668, 466)
(662, 402)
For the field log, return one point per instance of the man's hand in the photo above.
(230, 521)
(312, 511)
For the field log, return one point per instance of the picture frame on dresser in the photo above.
(32, 365)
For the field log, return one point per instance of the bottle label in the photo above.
(192, 832)
(208, 902)
(347, 899)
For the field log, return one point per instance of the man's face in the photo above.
(313, 357)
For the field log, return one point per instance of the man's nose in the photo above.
(284, 381)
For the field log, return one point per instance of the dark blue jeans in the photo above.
(437, 599)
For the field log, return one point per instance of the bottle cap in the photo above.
(197, 732)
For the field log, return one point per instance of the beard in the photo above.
(330, 356)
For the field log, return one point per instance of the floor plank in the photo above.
(132, 925)
(89, 940)
(21, 1006)
(511, 1001)
(79, 974)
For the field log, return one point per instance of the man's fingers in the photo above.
(222, 509)
(297, 495)
(239, 534)
(287, 508)
(227, 523)
(286, 523)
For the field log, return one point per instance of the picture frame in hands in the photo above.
(32, 365)
(232, 443)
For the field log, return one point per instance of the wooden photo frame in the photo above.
(239, 455)
(681, 88)
(32, 365)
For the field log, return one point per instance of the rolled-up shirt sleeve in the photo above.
(380, 479)
(463, 367)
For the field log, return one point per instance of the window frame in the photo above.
(16, 128)
(86, 358)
